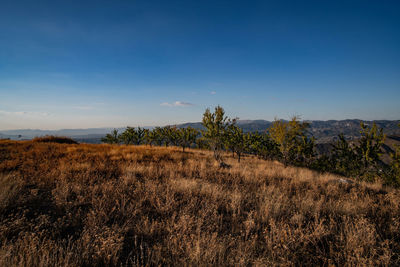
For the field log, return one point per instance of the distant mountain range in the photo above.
(323, 131)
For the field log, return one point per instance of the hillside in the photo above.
(388, 147)
(109, 205)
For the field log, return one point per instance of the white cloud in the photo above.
(213, 92)
(83, 107)
(177, 104)
(23, 113)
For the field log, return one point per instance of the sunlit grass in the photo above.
(74, 205)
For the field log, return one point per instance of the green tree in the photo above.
(305, 147)
(345, 159)
(236, 140)
(361, 158)
(263, 146)
(129, 136)
(174, 136)
(294, 145)
(187, 137)
(216, 124)
(158, 135)
(133, 136)
(148, 137)
(167, 135)
(111, 138)
(140, 136)
(394, 176)
(370, 146)
(202, 143)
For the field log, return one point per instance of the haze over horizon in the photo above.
(92, 64)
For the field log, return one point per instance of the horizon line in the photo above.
(153, 126)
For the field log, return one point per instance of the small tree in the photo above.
(187, 137)
(140, 136)
(129, 136)
(344, 158)
(370, 146)
(360, 159)
(167, 134)
(174, 136)
(294, 145)
(158, 135)
(132, 136)
(216, 124)
(263, 146)
(305, 147)
(111, 138)
(236, 140)
(393, 177)
(149, 137)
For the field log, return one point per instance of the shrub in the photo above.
(54, 139)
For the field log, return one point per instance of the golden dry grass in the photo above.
(104, 205)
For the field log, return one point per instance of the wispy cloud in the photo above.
(213, 92)
(177, 104)
(89, 106)
(23, 113)
(83, 107)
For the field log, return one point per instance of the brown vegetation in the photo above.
(54, 139)
(100, 205)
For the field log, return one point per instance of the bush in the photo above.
(54, 139)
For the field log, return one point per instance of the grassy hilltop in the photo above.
(101, 205)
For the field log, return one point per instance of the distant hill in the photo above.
(66, 132)
(323, 131)
(246, 125)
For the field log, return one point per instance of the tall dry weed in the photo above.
(104, 205)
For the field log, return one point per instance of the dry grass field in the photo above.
(109, 205)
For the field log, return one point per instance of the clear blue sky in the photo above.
(81, 64)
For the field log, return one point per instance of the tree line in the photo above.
(286, 141)
(183, 137)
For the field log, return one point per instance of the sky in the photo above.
(86, 64)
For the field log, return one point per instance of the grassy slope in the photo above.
(71, 205)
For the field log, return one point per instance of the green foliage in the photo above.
(236, 140)
(294, 145)
(286, 141)
(187, 137)
(132, 136)
(370, 146)
(128, 137)
(111, 138)
(304, 151)
(150, 137)
(362, 158)
(173, 135)
(322, 163)
(263, 146)
(202, 143)
(158, 135)
(216, 125)
(166, 135)
(345, 159)
(393, 177)
(141, 136)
